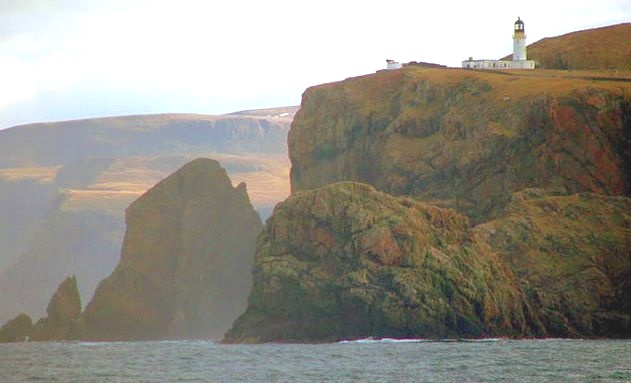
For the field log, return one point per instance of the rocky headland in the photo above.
(426, 202)
(448, 203)
(346, 261)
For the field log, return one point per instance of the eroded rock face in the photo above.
(572, 255)
(185, 269)
(346, 261)
(465, 139)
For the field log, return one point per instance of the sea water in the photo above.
(386, 360)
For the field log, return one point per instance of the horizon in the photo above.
(69, 60)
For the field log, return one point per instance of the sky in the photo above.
(69, 59)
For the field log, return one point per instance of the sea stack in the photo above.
(62, 323)
(64, 313)
(185, 268)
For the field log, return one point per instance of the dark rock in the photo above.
(572, 255)
(346, 261)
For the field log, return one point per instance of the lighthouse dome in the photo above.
(519, 25)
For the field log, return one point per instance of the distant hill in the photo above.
(64, 188)
(60, 143)
(599, 48)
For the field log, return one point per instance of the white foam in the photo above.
(372, 340)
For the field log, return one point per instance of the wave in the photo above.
(382, 340)
(372, 340)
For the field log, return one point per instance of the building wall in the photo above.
(519, 48)
(498, 64)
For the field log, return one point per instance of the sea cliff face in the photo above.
(465, 139)
(498, 206)
(572, 256)
(346, 261)
(185, 268)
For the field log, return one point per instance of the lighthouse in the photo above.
(519, 41)
(519, 60)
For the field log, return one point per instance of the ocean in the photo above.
(489, 360)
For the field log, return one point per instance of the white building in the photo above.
(520, 60)
(391, 65)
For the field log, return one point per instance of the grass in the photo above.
(606, 48)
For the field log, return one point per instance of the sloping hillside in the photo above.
(606, 48)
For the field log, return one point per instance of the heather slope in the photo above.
(605, 48)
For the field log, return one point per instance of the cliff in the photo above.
(64, 188)
(466, 139)
(346, 261)
(498, 206)
(572, 255)
(605, 48)
(185, 267)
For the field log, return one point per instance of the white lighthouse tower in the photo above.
(519, 60)
(519, 41)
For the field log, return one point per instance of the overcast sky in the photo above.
(67, 59)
